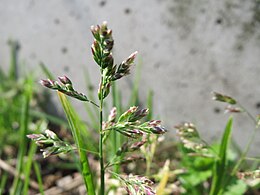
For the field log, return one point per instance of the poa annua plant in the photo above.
(223, 175)
(130, 123)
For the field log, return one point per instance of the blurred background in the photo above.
(187, 49)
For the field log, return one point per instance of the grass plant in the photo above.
(205, 162)
(129, 123)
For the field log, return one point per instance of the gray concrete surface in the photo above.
(187, 48)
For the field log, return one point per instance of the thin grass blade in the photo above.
(23, 133)
(219, 174)
(38, 177)
(85, 168)
(3, 182)
(28, 165)
(165, 177)
(42, 125)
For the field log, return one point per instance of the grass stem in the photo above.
(102, 170)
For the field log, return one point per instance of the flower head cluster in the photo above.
(249, 175)
(130, 146)
(223, 98)
(138, 185)
(233, 105)
(51, 143)
(121, 156)
(102, 45)
(190, 138)
(124, 68)
(251, 178)
(130, 125)
(65, 86)
(102, 54)
(232, 109)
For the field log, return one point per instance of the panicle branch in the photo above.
(51, 144)
(129, 124)
(191, 139)
(65, 86)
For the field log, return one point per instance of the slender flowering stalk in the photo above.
(65, 86)
(102, 54)
(51, 144)
(129, 124)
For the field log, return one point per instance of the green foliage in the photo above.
(15, 96)
(198, 170)
(204, 165)
(236, 187)
(23, 132)
(20, 115)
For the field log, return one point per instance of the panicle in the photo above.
(51, 143)
(124, 68)
(223, 98)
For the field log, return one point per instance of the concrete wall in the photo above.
(188, 48)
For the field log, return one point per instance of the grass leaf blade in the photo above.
(85, 168)
(220, 164)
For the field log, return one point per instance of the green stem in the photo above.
(101, 161)
(248, 114)
(243, 155)
(249, 143)
(92, 102)
(148, 165)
